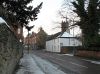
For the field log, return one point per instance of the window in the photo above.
(61, 44)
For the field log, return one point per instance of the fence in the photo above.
(10, 49)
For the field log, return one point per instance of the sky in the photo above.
(47, 17)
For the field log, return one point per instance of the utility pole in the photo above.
(29, 29)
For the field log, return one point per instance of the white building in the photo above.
(60, 40)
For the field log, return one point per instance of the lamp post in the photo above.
(29, 29)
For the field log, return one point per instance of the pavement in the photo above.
(32, 64)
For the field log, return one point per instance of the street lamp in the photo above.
(29, 29)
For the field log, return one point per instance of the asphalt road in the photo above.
(69, 64)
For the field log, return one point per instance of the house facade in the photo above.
(62, 40)
(31, 40)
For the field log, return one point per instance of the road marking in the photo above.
(65, 54)
(95, 62)
(68, 54)
(57, 58)
(78, 65)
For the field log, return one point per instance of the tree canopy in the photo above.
(89, 20)
(21, 10)
(41, 38)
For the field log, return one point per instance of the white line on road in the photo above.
(78, 65)
(57, 59)
(95, 62)
(65, 54)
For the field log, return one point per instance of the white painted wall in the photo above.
(70, 42)
(49, 45)
(55, 44)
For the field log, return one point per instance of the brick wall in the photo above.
(85, 53)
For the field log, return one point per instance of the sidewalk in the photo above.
(31, 64)
(28, 66)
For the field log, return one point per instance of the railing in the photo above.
(10, 49)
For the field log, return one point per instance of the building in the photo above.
(31, 40)
(62, 41)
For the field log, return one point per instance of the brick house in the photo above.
(31, 40)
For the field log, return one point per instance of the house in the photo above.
(31, 40)
(62, 41)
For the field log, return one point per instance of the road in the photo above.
(69, 64)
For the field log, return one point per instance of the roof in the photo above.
(50, 37)
(59, 35)
(65, 34)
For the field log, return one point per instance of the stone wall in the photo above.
(10, 50)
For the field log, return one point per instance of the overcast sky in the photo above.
(48, 16)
